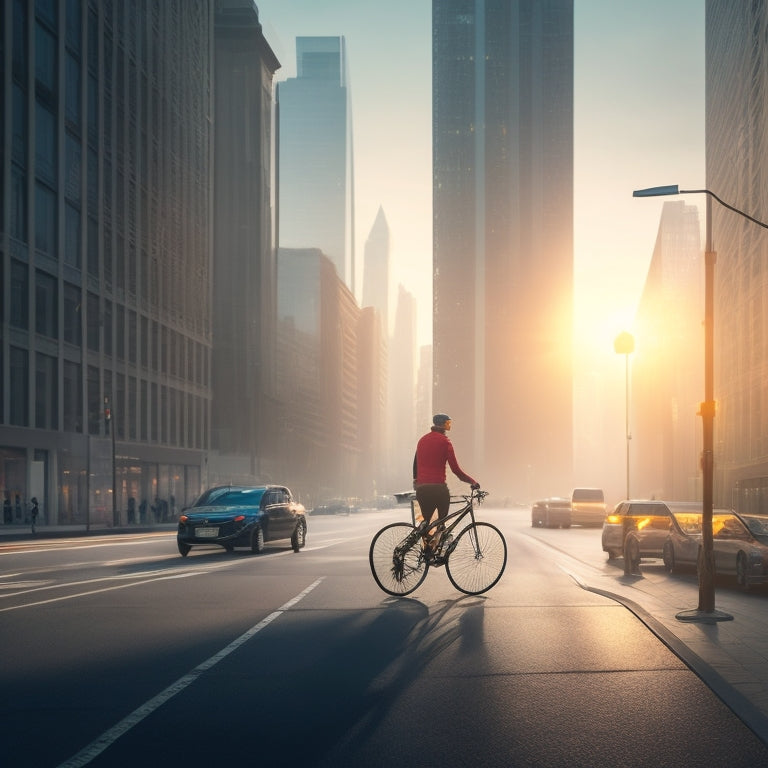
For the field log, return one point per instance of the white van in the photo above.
(587, 506)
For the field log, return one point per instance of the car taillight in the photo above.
(240, 518)
(613, 519)
(183, 519)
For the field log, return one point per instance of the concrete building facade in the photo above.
(105, 252)
(737, 171)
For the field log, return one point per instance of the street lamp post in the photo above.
(111, 429)
(706, 571)
(624, 344)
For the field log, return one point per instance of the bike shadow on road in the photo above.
(416, 635)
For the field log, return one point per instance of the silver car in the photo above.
(739, 544)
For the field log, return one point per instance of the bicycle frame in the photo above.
(423, 528)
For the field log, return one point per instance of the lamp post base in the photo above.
(703, 617)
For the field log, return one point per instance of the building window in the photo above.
(92, 247)
(72, 314)
(152, 410)
(95, 402)
(107, 327)
(73, 168)
(94, 322)
(73, 93)
(45, 143)
(119, 407)
(45, 219)
(144, 412)
(46, 392)
(17, 224)
(72, 239)
(132, 331)
(120, 332)
(19, 381)
(144, 342)
(46, 305)
(19, 295)
(132, 407)
(20, 138)
(45, 61)
(73, 408)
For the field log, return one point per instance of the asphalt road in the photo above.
(118, 652)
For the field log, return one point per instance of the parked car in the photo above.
(333, 507)
(242, 516)
(587, 506)
(554, 512)
(639, 528)
(739, 545)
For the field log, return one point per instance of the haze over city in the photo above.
(639, 121)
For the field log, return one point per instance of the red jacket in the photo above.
(432, 453)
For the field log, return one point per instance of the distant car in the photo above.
(639, 528)
(587, 506)
(739, 545)
(242, 516)
(554, 512)
(333, 507)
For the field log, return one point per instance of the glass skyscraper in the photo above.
(503, 238)
(314, 155)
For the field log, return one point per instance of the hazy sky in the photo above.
(639, 121)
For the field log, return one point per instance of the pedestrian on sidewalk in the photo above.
(34, 511)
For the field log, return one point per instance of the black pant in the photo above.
(434, 497)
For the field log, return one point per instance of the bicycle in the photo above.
(474, 560)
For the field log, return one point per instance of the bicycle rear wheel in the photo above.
(477, 559)
(396, 568)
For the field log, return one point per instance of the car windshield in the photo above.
(757, 524)
(689, 522)
(237, 497)
(588, 494)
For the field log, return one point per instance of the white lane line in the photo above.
(95, 591)
(190, 570)
(96, 747)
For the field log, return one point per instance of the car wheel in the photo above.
(668, 556)
(299, 538)
(257, 541)
(631, 555)
(183, 548)
(741, 571)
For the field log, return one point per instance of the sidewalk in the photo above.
(730, 656)
(23, 532)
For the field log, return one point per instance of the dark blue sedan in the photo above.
(243, 516)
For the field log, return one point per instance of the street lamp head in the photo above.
(670, 189)
(624, 343)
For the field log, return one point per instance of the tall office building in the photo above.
(105, 252)
(503, 238)
(376, 269)
(315, 208)
(737, 171)
(668, 363)
(244, 266)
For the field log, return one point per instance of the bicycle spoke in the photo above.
(397, 559)
(477, 559)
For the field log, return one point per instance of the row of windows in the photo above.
(140, 409)
(118, 330)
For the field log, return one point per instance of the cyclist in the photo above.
(433, 451)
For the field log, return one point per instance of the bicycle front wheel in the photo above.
(397, 567)
(478, 558)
